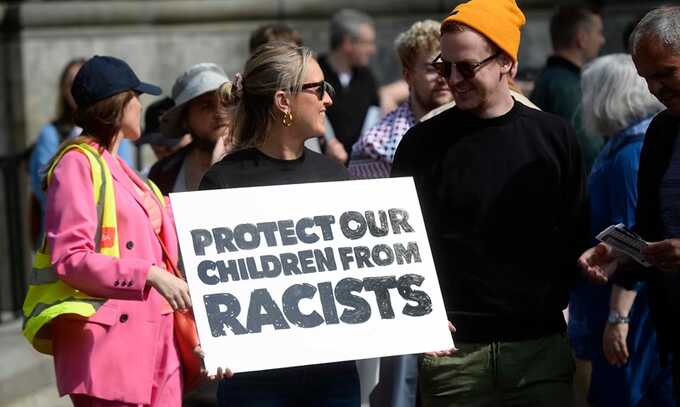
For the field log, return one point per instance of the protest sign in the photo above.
(303, 274)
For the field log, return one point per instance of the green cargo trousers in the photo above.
(536, 372)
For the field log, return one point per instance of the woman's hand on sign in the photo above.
(198, 351)
(222, 373)
(174, 289)
(448, 352)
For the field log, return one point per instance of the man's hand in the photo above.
(448, 352)
(223, 146)
(336, 151)
(599, 263)
(614, 344)
(665, 255)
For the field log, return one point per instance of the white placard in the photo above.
(303, 274)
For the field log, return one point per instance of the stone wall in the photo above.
(162, 38)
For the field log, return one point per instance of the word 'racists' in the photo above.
(224, 309)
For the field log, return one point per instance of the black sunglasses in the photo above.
(322, 87)
(466, 69)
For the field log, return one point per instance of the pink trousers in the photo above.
(166, 389)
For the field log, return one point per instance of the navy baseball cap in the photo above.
(103, 76)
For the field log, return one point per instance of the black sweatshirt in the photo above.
(252, 168)
(505, 207)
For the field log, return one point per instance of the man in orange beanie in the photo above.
(502, 190)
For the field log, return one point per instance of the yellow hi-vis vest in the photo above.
(48, 296)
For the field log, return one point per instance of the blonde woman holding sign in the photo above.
(282, 100)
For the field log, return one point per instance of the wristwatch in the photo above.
(616, 318)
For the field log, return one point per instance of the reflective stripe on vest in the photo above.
(48, 296)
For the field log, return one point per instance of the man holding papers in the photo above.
(655, 46)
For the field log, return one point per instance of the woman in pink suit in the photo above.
(125, 354)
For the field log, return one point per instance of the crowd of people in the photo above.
(513, 188)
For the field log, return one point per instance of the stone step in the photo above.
(47, 396)
(26, 377)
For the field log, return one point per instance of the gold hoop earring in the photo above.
(287, 120)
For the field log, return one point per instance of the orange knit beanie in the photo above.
(498, 20)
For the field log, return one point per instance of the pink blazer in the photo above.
(112, 355)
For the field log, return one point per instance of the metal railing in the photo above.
(12, 167)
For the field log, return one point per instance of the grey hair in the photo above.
(614, 95)
(272, 67)
(347, 23)
(663, 24)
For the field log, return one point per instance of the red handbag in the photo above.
(186, 336)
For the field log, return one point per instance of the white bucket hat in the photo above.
(196, 81)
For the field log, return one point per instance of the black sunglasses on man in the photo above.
(466, 69)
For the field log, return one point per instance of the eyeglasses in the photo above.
(466, 69)
(322, 87)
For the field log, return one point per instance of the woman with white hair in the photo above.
(616, 334)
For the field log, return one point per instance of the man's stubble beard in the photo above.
(206, 143)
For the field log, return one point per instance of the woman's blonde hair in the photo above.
(273, 67)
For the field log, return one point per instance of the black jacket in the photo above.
(350, 104)
(164, 172)
(664, 287)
